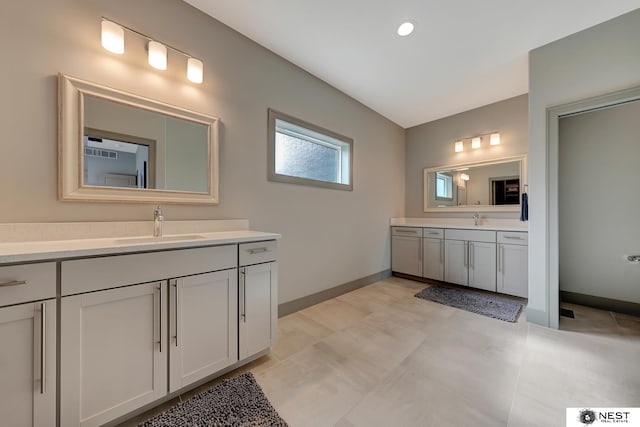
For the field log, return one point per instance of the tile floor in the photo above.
(378, 356)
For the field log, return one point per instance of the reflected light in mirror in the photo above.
(157, 55)
(459, 146)
(112, 37)
(495, 139)
(464, 177)
(475, 142)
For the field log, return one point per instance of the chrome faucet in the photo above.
(476, 218)
(157, 222)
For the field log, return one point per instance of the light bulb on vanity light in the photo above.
(194, 70)
(475, 142)
(458, 146)
(157, 55)
(495, 139)
(112, 37)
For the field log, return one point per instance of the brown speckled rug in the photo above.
(237, 402)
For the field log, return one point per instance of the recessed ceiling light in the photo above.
(405, 28)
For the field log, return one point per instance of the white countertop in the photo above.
(17, 252)
(463, 223)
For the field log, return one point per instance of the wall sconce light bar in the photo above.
(476, 141)
(113, 41)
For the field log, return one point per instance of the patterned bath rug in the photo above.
(475, 302)
(235, 402)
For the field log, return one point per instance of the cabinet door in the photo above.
(203, 313)
(513, 265)
(406, 255)
(482, 265)
(27, 355)
(114, 353)
(456, 262)
(258, 308)
(433, 260)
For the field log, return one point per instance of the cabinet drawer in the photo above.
(406, 231)
(487, 236)
(513, 237)
(92, 274)
(436, 233)
(39, 283)
(258, 252)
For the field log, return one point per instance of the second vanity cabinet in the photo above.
(470, 258)
(513, 261)
(28, 349)
(433, 253)
(137, 327)
(406, 250)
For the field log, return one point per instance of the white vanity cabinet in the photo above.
(258, 297)
(470, 258)
(406, 250)
(115, 327)
(513, 261)
(433, 253)
(203, 331)
(28, 349)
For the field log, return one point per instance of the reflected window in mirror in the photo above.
(444, 186)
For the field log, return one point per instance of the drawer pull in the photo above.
(513, 237)
(433, 232)
(13, 283)
(406, 231)
(258, 250)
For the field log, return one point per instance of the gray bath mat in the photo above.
(237, 402)
(475, 302)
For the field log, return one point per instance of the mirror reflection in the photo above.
(496, 185)
(131, 147)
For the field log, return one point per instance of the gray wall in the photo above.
(599, 176)
(329, 237)
(596, 61)
(431, 144)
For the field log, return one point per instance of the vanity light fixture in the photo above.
(157, 55)
(194, 70)
(476, 141)
(113, 41)
(112, 37)
(406, 28)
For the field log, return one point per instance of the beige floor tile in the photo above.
(335, 314)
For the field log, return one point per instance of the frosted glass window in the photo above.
(302, 153)
(444, 186)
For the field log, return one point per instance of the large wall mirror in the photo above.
(115, 146)
(493, 185)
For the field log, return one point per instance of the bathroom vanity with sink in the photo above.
(138, 319)
(492, 255)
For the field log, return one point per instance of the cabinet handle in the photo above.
(472, 254)
(258, 250)
(243, 298)
(43, 345)
(432, 232)
(406, 231)
(513, 237)
(441, 250)
(159, 289)
(13, 283)
(175, 285)
(466, 254)
(500, 247)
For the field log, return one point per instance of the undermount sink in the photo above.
(162, 239)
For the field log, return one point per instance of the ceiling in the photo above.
(463, 54)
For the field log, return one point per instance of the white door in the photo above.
(513, 270)
(406, 255)
(456, 262)
(203, 316)
(28, 354)
(433, 259)
(258, 308)
(113, 353)
(482, 265)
